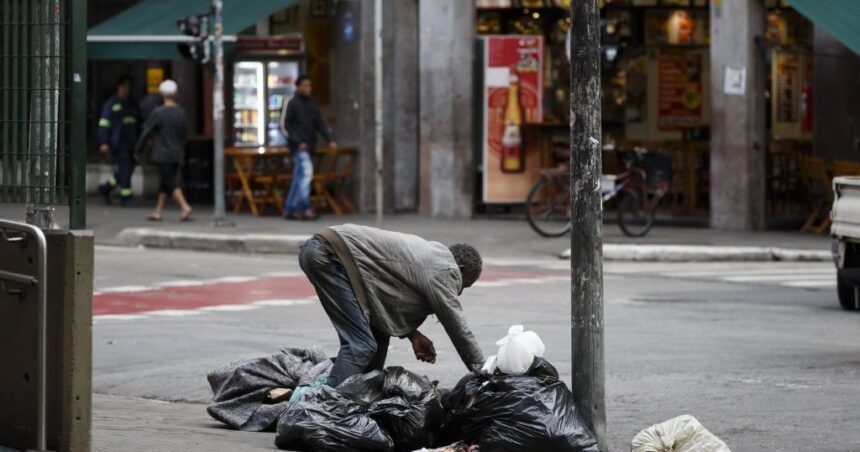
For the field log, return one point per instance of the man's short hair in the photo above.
(122, 80)
(469, 260)
(301, 79)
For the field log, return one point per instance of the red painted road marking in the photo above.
(230, 293)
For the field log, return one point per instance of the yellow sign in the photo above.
(154, 77)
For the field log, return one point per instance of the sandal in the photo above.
(153, 218)
(186, 216)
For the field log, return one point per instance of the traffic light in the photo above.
(196, 26)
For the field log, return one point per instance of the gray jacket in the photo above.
(406, 278)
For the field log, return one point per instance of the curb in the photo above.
(290, 244)
(702, 253)
(209, 241)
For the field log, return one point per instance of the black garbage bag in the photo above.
(324, 419)
(392, 409)
(239, 389)
(409, 409)
(534, 411)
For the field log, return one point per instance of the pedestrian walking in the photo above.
(300, 121)
(117, 136)
(374, 284)
(168, 127)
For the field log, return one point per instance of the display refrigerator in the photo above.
(260, 89)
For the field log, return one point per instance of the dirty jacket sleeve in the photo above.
(443, 300)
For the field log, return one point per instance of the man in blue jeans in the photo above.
(300, 121)
(374, 284)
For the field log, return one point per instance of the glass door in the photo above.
(281, 83)
(249, 104)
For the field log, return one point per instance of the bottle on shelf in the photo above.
(513, 157)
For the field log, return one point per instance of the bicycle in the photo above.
(639, 189)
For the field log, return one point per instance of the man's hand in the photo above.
(422, 347)
(332, 144)
(104, 148)
(303, 146)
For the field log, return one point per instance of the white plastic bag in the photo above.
(681, 434)
(518, 350)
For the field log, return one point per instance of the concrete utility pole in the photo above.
(378, 118)
(218, 113)
(586, 234)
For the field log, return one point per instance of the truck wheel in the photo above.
(846, 293)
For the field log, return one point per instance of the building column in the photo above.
(400, 78)
(446, 50)
(738, 136)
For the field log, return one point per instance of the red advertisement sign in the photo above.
(680, 89)
(513, 96)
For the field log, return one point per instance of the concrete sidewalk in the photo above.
(114, 225)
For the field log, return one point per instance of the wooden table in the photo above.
(247, 162)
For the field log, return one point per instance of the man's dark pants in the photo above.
(362, 347)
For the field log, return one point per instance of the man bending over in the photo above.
(374, 284)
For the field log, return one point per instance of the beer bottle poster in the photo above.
(513, 97)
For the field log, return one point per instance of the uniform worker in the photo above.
(374, 284)
(117, 136)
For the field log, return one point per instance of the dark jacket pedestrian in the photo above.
(168, 127)
(302, 120)
(117, 135)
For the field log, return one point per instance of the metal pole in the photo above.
(586, 234)
(218, 114)
(38, 239)
(377, 119)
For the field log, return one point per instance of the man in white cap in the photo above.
(168, 127)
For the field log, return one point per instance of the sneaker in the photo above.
(105, 189)
(296, 216)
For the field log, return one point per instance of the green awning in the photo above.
(839, 18)
(148, 29)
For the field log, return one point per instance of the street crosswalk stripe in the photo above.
(173, 312)
(233, 279)
(283, 302)
(230, 307)
(777, 278)
(123, 289)
(282, 274)
(737, 271)
(831, 283)
(118, 317)
(181, 283)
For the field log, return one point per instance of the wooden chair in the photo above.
(324, 159)
(845, 168)
(342, 169)
(819, 189)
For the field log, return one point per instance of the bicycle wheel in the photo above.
(548, 208)
(633, 219)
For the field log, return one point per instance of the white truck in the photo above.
(845, 229)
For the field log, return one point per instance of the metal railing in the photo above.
(42, 104)
(17, 284)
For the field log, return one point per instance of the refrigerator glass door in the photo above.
(282, 84)
(249, 104)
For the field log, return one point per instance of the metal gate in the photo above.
(43, 104)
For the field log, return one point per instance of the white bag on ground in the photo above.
(681, 434)
(518, 350)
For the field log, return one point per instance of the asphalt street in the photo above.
(760, 353)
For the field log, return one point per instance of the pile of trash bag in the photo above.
(240, 389)
(518, 405)
(387, 410)
(534, 411)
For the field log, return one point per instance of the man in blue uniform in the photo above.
(117, 136)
